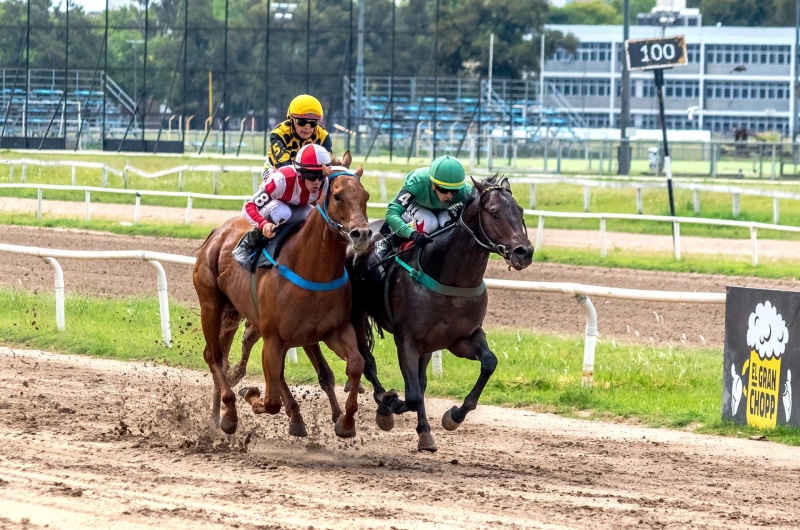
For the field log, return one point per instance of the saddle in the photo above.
(249, 251)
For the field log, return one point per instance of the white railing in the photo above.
(676, 222)
(587, 182)
(579, 291)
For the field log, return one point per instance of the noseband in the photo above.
(491, 246)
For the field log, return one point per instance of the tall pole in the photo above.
(105, 79)
(348, 106)
(491, 67)
(667, 163)
(185, 55)
(225, 107)
(391, 83)
(266, 78)
(308, 47)
(359, 73)
(144, 71)
(625, 110)
(27, 73)
(796, 69)
(541, 73)
(435, 81)
(66, 73)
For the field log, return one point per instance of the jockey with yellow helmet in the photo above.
(300, 128)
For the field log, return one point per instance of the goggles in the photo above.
(444, 191)
(311, 176)
(302, 122)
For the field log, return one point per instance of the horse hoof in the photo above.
(384, 422)
(248, 392)
(386, 398)
(426, 443)
(297, 429)
(341, 432)
(361, 388)
(227, 426)
(448, 422)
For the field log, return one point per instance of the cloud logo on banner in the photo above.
(767, 332)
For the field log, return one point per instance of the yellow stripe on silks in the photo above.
(448, 184)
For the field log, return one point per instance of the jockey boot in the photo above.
(246, 251)
(382, 249)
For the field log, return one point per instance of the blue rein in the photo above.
(298, 280)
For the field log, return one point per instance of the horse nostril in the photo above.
(523, 252)
(356, 234)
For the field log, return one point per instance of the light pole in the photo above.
(796, 68)
(625, 109)
(135, 42)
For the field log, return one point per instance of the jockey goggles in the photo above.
(444, 191)
(302, 122)
(310, 175)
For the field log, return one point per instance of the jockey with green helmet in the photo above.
(422, 204)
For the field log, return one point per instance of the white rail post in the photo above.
(125, 176)
(216, 183)
(104, 178)
(602, 237)
(291, 355)
(513, 163)
(774, 154)
(639, 202)
(88, 207)
(776, 211)
(539, 234)
(255, 182)
(735, 204)
(11, 173)
(189, 209)
(437, 364)
(676, 240)
(163, 302)
(74, 178)
(24, 172)
(754, 246)
(38, 203)
(382, 184)
(589, 340)
(586, 198)
(532, 195)
(59, 292)
(136, 209)
(180, 181)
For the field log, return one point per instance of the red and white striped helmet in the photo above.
(312, 157)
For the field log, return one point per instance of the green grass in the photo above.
(664, 387)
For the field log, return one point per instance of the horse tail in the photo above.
(369, 327)
(204, 242)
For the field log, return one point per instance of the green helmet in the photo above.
(448, 173)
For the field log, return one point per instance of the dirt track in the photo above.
(643, 322)
(90, 443)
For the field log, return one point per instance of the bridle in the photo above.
(336, 227)
(491, 246)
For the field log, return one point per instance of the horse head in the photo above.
(345, 201)
(501, 222)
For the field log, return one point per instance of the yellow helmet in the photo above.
(305, 106)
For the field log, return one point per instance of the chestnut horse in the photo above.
(288, 314)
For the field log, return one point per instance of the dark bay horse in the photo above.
(284, 314)
(422, 320)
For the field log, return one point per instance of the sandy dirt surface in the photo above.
(640, 322)
(95, 444)
(588, 239)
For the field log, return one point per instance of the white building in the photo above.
(736, 76)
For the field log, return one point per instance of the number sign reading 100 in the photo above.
(652, 54)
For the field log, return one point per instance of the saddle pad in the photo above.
(274, 245)
(249, 249)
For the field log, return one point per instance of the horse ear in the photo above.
(359, 171)
(477, 184)
(326, 170)
(505, 183)
(347, 159)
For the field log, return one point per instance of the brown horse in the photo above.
(287, 315)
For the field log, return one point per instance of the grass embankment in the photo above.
(660, 261)
(555, 197)
(665, 387)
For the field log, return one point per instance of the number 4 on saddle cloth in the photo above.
(249, 250)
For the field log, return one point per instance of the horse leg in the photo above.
(273, 358)
(425, 442)
(327, 381)
(251, 336)
(344, 344)
(475, 348)
(228, 329)
(212, 308)
(383, 417)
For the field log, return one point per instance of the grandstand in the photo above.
(29, 103)
(452, 105)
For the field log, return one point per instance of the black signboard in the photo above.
(762, 357)
(653, 54)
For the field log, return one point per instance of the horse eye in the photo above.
(336, 197)
(495, 214)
